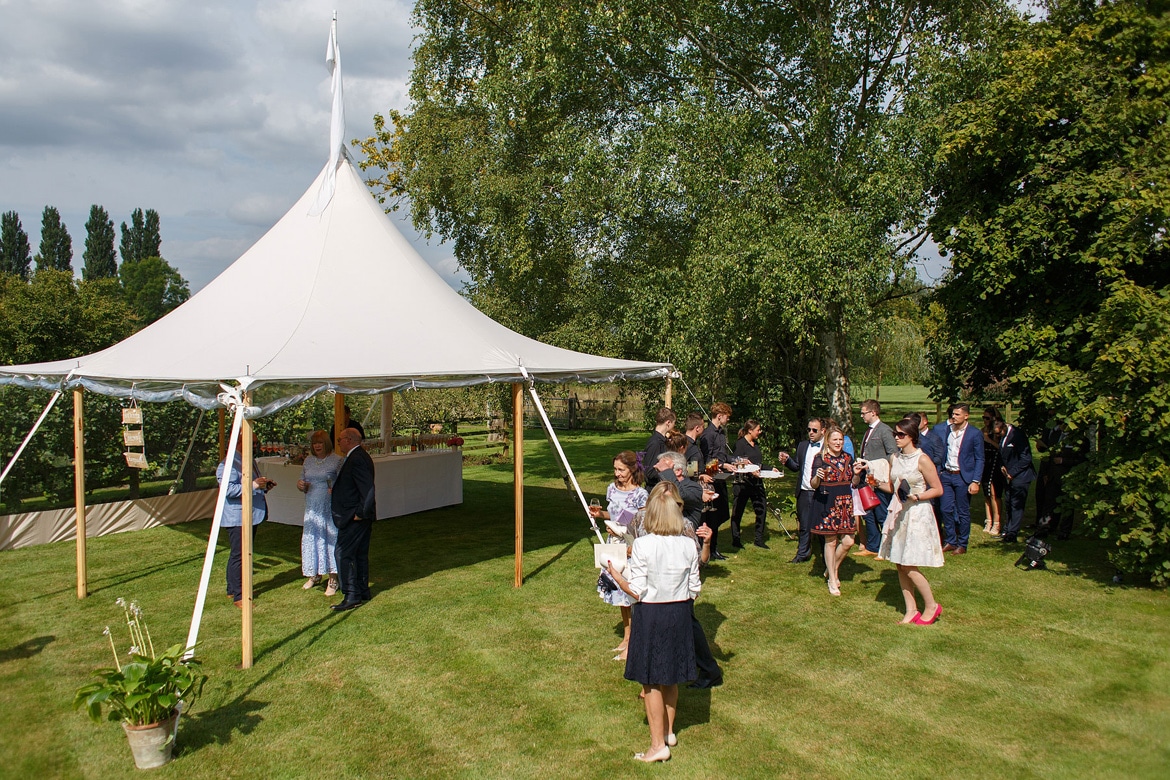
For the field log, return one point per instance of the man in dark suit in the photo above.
(1015, 452)
(801, 463)
(354, 512)
(934, 448)
(960, 475)
(656, 444)
(877, 444)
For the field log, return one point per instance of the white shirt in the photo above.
(664, 569)
(806, 476)
(954, 441)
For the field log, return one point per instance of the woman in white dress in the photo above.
(911, 536)
(319, 538)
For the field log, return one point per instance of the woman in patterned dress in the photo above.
(832, 482)
(624, 498)
(319, 538)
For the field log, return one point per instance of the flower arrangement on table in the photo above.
(455, 441)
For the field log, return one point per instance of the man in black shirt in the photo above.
(713, 443)
(656, 444)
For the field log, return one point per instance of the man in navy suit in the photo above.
(1015, 452)
(354, 511)
(962, 469)
(802, 465)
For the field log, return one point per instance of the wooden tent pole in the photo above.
(246, 478)
(666, 401)
(518, 475)
(79, 490)
(338, 421)
(222, 438)
(387, 420)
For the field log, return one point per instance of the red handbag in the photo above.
(868, 498)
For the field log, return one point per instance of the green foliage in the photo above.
(56, 250)
(1055, 212)
(147, 689)
(99, 259)
(726, 189)
(14, 249)
(143, 238)
(152, 286)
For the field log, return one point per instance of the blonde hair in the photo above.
(321, 436)
(664, 511)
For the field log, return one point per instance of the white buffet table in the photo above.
(405, 483)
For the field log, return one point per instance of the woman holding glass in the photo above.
(664, 581)
(833, 476)
(624, 497)
(319, 538)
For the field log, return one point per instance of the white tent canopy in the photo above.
(338, 301)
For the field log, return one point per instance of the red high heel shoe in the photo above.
(919, 621)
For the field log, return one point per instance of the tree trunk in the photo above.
(837, 379)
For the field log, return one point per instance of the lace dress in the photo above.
(319, 539)
(624, 505)
(911, 537)
(833, 500)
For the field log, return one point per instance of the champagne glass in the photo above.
(594, 504)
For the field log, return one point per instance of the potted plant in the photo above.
(146, 694)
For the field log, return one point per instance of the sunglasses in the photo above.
(900, 435)
(814, 430)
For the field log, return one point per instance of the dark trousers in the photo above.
(1014, 499)
(875, 521)
(234, 588)
(353, 560)
(718, 513)
(956, 509)
(804, 520)
(708, 669)
(753, 490)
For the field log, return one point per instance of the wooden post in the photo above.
(246, 477)
(222, 434)
(338, 421)
(387, 419)
(518, 475)
(668, 397)
(79, 490)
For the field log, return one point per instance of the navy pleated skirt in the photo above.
(662, 645)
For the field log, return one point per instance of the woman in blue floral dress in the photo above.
(319, 539)
(624, 498)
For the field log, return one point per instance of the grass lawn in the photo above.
(451, 672)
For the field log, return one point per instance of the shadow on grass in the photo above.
(26, 649)
(218, 726)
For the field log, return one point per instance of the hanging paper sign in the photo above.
(132, 416)
(133, 437)
(136, 460)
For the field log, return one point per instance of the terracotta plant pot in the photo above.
(153, 743)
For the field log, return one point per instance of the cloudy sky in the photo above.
(213, 113)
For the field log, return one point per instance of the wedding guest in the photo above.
(713, 443)
(750, 487)
(664, 581)
(233, 514)
(877, 444)
(992, 483)
(1015, 453)
(833, 479)
(960, 474)
(911, 541)
(319, 537)
(656, 445)
(801, 463)
(624, 497)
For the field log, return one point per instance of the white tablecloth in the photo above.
(405, 484)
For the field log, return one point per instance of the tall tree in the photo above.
(56, 250)
(1055, 211)
(142, 238)
(733, 187)
(100, 262)
(14, 249)
(152, 287)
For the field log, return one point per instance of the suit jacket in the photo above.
(934, 448)
(970, 451)
(691, 493)
(796, 463)
(878, 443)
(1016, 455)
(353, 490)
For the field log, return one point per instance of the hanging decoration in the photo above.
(134, 436)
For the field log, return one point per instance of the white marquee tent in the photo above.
(332, 298)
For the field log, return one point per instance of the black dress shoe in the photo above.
(718, 556)
(706, 682)
(762, 545)
(737, 543)
(345, 605)
(801, 560)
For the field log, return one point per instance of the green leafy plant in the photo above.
(148, 688)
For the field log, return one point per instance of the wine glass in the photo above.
(594, 504)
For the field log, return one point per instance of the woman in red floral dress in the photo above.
(832, 480)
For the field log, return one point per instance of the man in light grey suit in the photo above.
(877, 444)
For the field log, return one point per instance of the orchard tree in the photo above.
(56, 250)
(1055, 209)
(732, 187)
(100, 260)
(14, 248)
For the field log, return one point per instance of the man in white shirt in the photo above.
(802, 464)
(960, 475)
